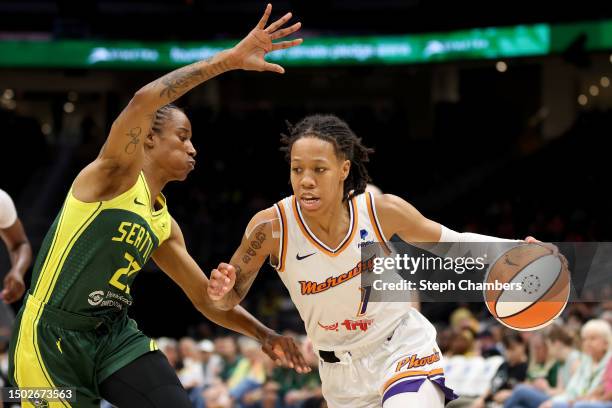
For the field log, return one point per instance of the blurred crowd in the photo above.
(566, 364)
(230, 371)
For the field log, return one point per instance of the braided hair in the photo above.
(161, 116)
(346, 145)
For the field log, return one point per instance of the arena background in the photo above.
(506, 146)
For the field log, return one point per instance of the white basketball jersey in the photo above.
(325, 283)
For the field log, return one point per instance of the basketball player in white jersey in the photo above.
(373, 354)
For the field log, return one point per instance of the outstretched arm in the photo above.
(172, 257)
(399, 217)
(121, 158)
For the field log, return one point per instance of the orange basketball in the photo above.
(539, 284)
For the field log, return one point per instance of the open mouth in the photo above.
(310, 202)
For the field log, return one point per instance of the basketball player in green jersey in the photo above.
(73, 330)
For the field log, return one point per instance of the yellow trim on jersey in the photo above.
(54, 263)
(30, 370)
(77, 215)
(51, 247)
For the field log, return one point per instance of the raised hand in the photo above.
(249, 53)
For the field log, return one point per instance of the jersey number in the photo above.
(365, 298)
(131, 269)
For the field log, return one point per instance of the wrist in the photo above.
(264, 333)
(226, 60)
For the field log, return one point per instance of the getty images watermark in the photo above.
(463, 274)
(409, 264)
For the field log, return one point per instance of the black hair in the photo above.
(512, 338)
(161, 116)
(346, 145)
(558, 333)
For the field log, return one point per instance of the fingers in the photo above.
(228, 269)
(264, 19)
(218, 285)
(278, 23)
(273, 67)
(298, 359)
(286, 44)
(286, 353)
(285, 31)
(269, 350)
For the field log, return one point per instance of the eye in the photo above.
(296, 170)
(320, 169)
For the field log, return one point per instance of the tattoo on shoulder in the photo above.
(134, 135)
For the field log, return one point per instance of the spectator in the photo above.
(192, 373)
(596, 336)
(249, 375)
(511, 372)
(586, 382)
(542, 366)
(170, 349)
(486, 344)
(212, 364)
(228, 350)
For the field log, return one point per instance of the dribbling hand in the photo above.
(249, 53)
(222, 281)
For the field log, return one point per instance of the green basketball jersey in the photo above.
(93, 251)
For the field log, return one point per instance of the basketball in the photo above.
(540, 287)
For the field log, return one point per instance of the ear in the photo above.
(149, 141)
(345, 169)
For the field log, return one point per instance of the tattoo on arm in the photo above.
(180, 81)
(245, 279)
(176, 81)
(134, 135)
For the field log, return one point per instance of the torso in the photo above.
(93, 251)
(325, 283)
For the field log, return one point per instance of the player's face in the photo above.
(173, 151)
(317, 174)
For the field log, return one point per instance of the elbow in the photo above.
(210, 308)
(141, 100)
(140, 96)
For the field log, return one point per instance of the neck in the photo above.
(597, 357)
(327, 220)
(155, 180)
(565, 352)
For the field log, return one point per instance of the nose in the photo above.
(191, 151)
(307, 180)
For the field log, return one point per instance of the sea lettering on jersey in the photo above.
(137, 235)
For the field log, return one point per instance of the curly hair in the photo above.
(346, 145)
